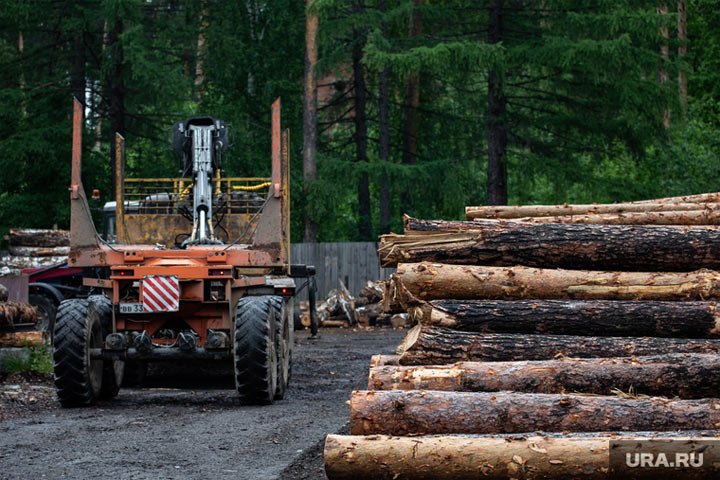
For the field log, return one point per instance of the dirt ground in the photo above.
(160, 431)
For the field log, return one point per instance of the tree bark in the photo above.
(608, 318)
(20, 339)
(689, 217)
(12, 313)
(682, 51)
(310, 118)
(712, 197)
(438, 346)
(521, 211)
(384, 134)
(200, 53)
(497, 457)
(437, 412)
(595, 247)
(429, 281)
(35, 237)
(670, 375)
(38, 251)
(497, 104)
(363, 186)
(116, 91)
(12, 261)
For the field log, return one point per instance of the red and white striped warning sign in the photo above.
(161, 293)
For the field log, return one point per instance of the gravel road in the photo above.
(163, 432)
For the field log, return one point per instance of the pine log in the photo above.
(12, 313)
(671, 375)
(665, 217)
(521, 211)
(556, 245)
(439, 346)
(428, 281)
(27, 262)
(38, 251)
(20, 339)
(609, 318)
(35, 237)
(437, 412)
(469, 457)
(713, 197)
(381, 360)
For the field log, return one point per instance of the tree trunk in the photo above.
(662, 9)
(38, 251)
(77, 77)
(20, 339)
(310, 118)
(384, 134)
(428, 281)
(382, 360)
(363, 188)
(440, 346)
(436, 412)
(596, 247)
(497, 129)
(682, 51)
(411, 113)
(117, 94)
(609, 318)
(35, 237)
(690, 217)
(497, 457)
(12, 313)
(521, 211)
(669, 375)
(712, 197)
(200, 53)
(21, 76)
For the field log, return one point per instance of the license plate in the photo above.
(131, 308)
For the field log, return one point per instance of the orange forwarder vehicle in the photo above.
(199, 270)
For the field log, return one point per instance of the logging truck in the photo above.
(199, 270)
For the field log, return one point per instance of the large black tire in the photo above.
(113, 370)
(47, 309)
(283, 345)
(255, 360)
(78, 379)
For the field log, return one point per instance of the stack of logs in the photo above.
(30, 247)
(17, 322)
(540, 338)
(341, 309)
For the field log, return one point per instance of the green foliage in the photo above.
(37, 359)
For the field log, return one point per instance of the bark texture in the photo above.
(428, 281)
(520, 211)
(20, 339)
(12, 313)
(38, 251)
(436, 412)
(689, 217)
(672, 375)
(382, 360)
(34, 237)
(469, 457)
(609, 318)
(439, 346)
(594, 247)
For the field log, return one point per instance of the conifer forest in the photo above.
(395, 107)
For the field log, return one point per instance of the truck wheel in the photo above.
(46, 308)
(113, 370)
(255, 360)
(78, 379)
(283, 345)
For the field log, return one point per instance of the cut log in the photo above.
(381, 360)
(20, 339)
(439, 346)
(428, 281)
(557, 245)
(27, 262)
(689, 217)
(609, 318)
(469, 457)
(521, 211)
(35, 237)
(13, 313)
(436, 412)
(38, 251)
(671, 375)
(713, 197)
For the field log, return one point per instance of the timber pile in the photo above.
(341, 309)
(31, 247)
(540, 334)
(17, 325)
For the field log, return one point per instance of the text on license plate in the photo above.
(131, 308)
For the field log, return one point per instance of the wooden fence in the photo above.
(352, 262)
